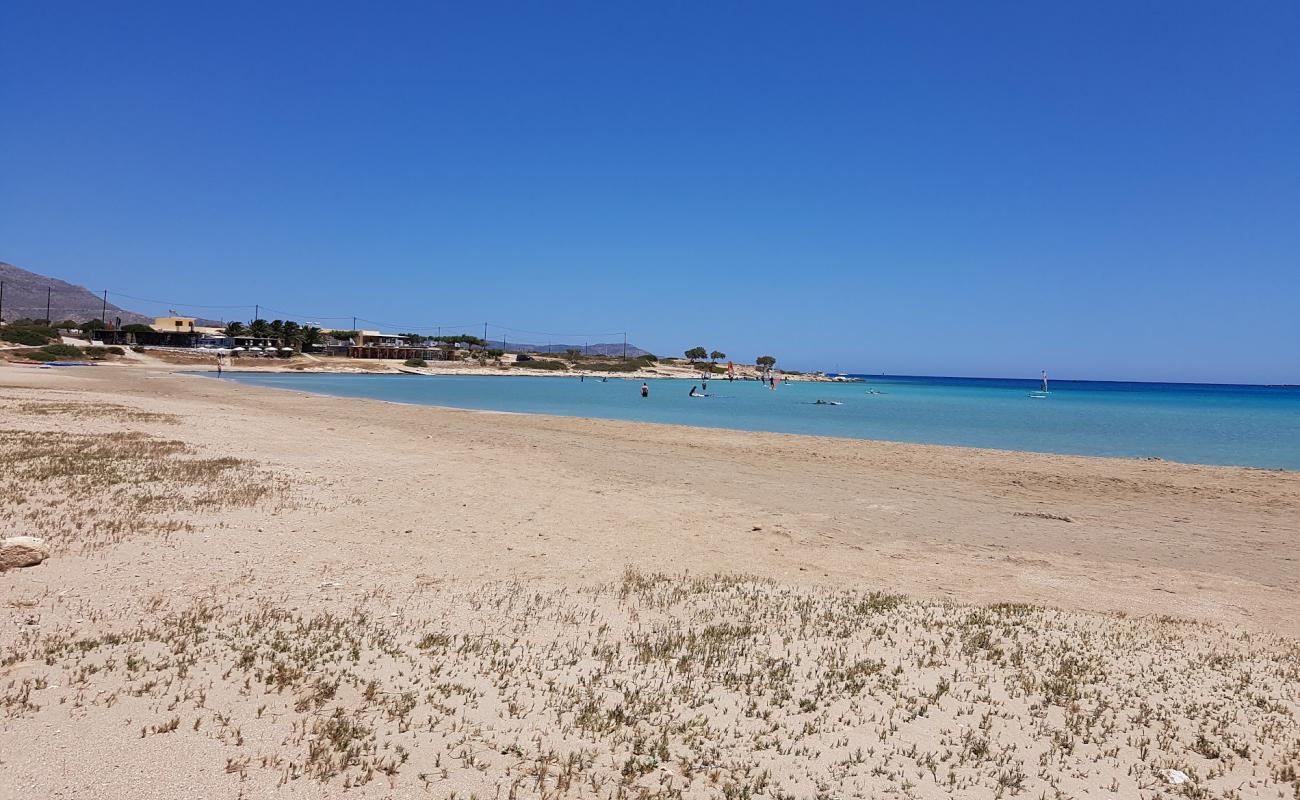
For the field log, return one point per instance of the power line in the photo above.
(553, 333)
(170, 302)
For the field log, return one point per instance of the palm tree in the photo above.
(311, 336)
(292, 334)
(259, 328)
(234, 329)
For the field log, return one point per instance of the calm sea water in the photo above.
(1254, 426)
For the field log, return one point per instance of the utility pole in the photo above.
(103, 313)
(2, 301)
(48, 291)
(354, 323)
(257, 312)
(485, 334)
(625, 345)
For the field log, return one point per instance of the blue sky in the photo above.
(1107, 190)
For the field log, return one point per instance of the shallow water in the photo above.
(1254, 426)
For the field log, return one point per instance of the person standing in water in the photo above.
(645, 389)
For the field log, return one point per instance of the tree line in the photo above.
(698, 354)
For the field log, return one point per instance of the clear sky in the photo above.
(1107, 190)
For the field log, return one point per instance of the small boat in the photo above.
(1042, 393)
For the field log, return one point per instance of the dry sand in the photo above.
(271, 594)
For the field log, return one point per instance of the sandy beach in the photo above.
(481, 603)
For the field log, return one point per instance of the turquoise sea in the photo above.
(1256, 426)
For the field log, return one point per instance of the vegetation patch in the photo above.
(681, 686)
(546, 364)
(87, 490)
(29, 332)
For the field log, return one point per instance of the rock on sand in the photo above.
(22, 551)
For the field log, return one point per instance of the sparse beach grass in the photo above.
(682, 686)
(89, 489)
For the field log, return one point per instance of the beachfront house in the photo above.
(173, 324)
(373, 344)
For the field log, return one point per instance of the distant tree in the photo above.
(717, 355)
(495, 352)
(573, 352)
(68, 325)
(413, 339)
(696, 354)
(91, 325)
(259, 328)
(277, 328)
(234, 329)
(766, 362)
(136, 327)
(456, 339)
(343, 336)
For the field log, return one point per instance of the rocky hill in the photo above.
(25, 295)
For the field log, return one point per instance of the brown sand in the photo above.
(352, 504)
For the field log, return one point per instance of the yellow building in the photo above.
(174, 324)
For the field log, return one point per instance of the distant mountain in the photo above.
(25, 294)
(601, 349)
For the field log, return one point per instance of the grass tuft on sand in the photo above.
(685, 686)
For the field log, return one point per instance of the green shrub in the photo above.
(614, 366)
(115, 350)
(416, 362)
(136, 327)
(40, 355)
(62, 350)
(540, 363)
(27, 333)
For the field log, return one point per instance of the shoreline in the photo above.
(839, 490)
(686, 426)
